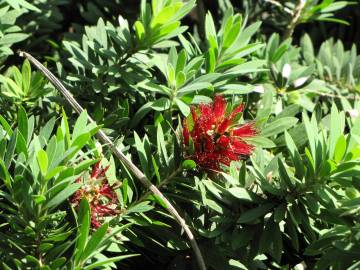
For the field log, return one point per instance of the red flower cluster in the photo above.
(102, 199)
(215, 137)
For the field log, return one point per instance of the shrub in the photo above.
(245, 142)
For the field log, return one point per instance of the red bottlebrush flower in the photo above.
(212, 136)
(102, 198)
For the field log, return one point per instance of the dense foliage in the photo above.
(244, 114)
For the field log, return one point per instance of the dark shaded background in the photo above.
(71, 16)
(319, 31)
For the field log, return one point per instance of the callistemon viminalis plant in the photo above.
(212, 136)
(102, 198)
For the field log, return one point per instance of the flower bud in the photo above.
(286, 71)
(259, 89)
(353, 113)
(300, 81)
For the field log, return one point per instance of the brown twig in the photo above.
(331, 95)
(295, 19)
(279, 5)
(127, 162)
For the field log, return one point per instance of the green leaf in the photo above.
(311, 130)
(337, 125)
(340, 148)
(10, 149)
(54, 172)
(255, 213)
(21, 145)
(101, 33)
(17, 4)
(65, 129)
(336, 6)
(279, 213)
(210, 31)
(265, 107)
(184, 108)
(308, 49)
(46, 131)
(167, 32)
(312, 203)
(191, 87)
(39, 199)
(242, 174)
(278, 126)
(181, 61)
(23, 122)
(124, 191)
(162, 145)
(79, 143)
(94, 242)
(295, 156)
(4, 175)
(140, 147)
(231, 36)
(247, 33)
(172, 57)
(84, 228)
(248, 67)
(234, 89)
(171, 75)
(140, 208)
(260, 141)
(241, 52)
(267, 236)
(152, 87)
(279, 53)
(26, 75)
(155, 169)
(12, 38)
(43, 162)
(210, 60)
(139, 31)
(160, 104)
(80, 126)
(284, 175)
(293, 233)
(6, 126)
(165, 15)
(58, 263)
(62, 195)
(277, 247)
(180, 79)
(243, 194)
(333, 20)
(237, 265)
(103, 262)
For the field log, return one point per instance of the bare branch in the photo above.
(278, 4)
(127, 162)
(295, 19)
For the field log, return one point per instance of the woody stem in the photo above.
(127, 162)
(295, 19)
